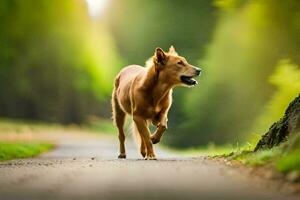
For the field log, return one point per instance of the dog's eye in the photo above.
(180, 63)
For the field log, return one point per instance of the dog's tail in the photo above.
(114, 100)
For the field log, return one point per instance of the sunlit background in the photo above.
(58, 60)
(96, 8)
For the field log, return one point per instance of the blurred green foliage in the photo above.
(286, 79)
(56, 64)
(251, 37)
(141, 26)
(290, 161)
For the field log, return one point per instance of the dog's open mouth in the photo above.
(188, 80)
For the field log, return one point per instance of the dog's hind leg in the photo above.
(119, 119)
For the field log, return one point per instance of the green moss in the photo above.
(10, 151)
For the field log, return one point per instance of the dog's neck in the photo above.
(155, 85)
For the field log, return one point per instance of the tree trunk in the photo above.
(281, 129)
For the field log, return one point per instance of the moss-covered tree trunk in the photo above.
(283, 128)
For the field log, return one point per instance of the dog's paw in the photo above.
(143, 152)
(150, 157)
(155, 140)
(122, 156)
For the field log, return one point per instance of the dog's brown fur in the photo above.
(146, 94)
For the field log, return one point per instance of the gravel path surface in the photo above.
(85, 167)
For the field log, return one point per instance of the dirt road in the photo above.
(85, 167)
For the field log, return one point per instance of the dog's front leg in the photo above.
(161, 128)
(143, 129)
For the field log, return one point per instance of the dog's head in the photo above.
(174, 68)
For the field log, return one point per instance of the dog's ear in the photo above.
(172, 50)
(160, 56)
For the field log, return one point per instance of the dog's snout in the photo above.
(198, 71)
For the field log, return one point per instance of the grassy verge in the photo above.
(253, 158)
(284, 158)
(22, 139)
(19, 150)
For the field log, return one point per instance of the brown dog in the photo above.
(146, 94)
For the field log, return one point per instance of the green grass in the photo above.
(283, 161)
(18, 150)
(26, 141)
(289, 162)
(254, 158)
